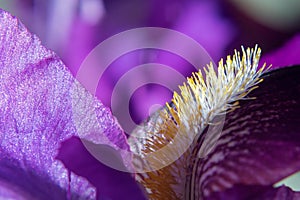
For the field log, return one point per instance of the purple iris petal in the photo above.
(42, 105)
(286, 55)
(110, 183)
(260, 141)
(256, 192)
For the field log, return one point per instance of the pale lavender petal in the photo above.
(42, 105)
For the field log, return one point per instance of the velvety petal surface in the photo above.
(260, 141)
(110, 183)
(41, 105)
(256, 192)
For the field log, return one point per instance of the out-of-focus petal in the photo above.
(287, 55)
(42, 105)
(202, 21)
(260, 141)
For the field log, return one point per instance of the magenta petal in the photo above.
(287, 55)
(202, 21)
(41, 105)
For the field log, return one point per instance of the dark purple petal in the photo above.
(260, 141)
(41, 105)
(255, 192)
(19, 183)
(110, 183)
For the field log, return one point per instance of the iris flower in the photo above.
(46, 114)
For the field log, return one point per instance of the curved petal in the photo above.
(41, 104)
(260, 141)
(110, 183)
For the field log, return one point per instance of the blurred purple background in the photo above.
(72, 28)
